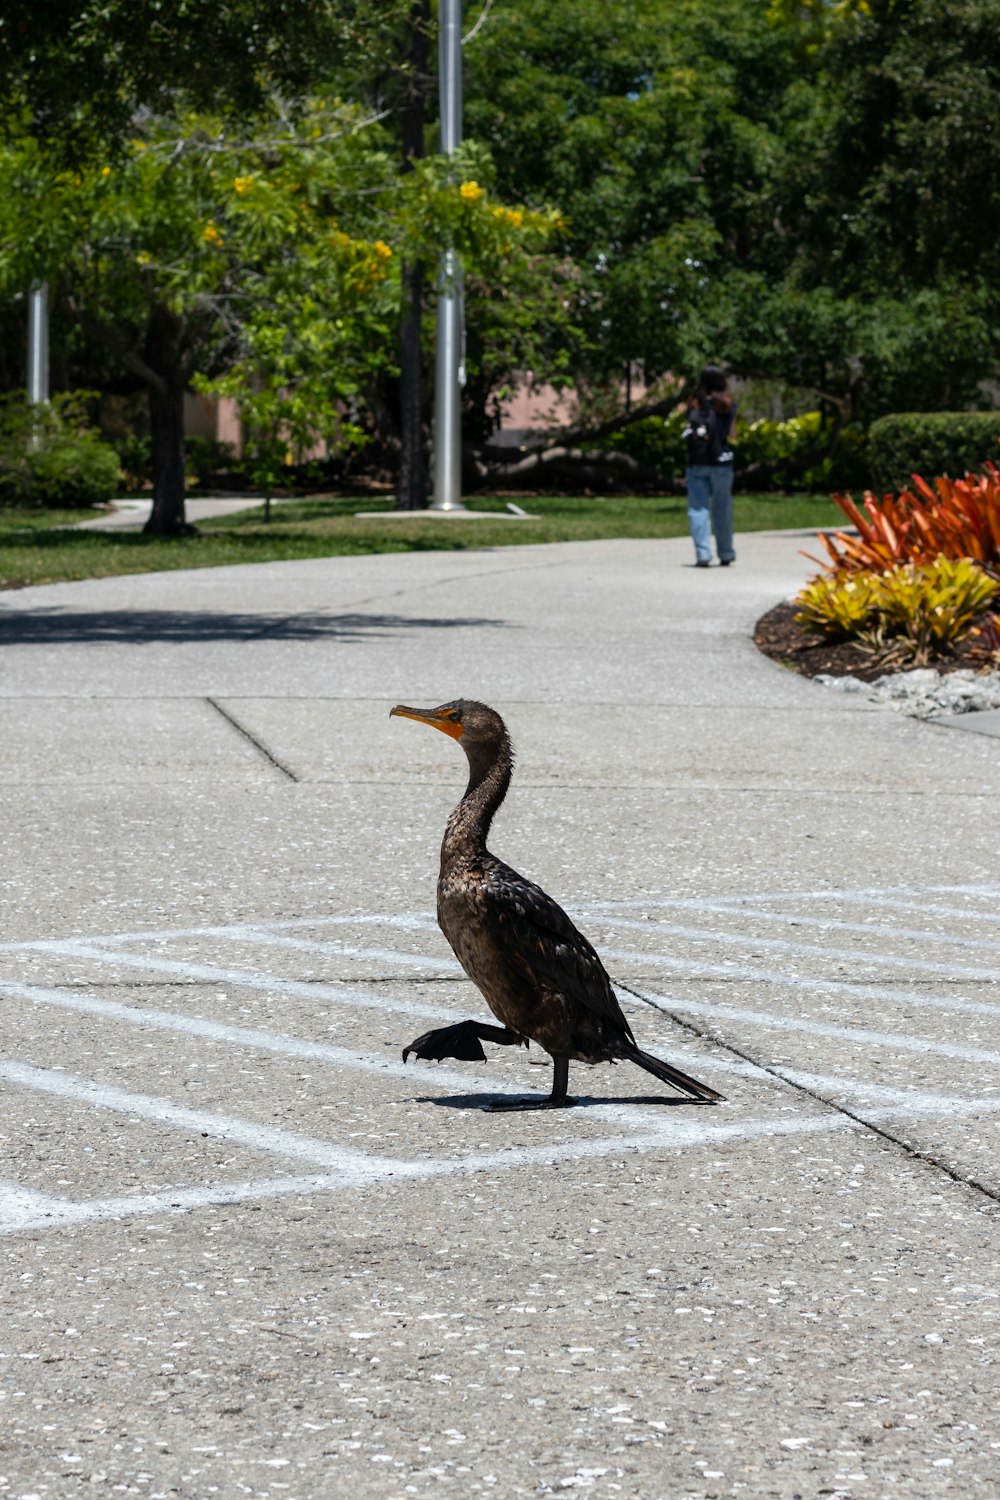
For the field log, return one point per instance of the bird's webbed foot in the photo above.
(463, 1041)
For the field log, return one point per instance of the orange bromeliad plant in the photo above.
(953, 518)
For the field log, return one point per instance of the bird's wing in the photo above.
(540, 941)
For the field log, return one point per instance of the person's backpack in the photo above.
(705, 434)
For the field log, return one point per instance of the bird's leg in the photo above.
(462, 1041)
(556, 1100)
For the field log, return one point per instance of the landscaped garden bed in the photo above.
(915, 584)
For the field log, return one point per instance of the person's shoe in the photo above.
(725, 562)
(703, 562)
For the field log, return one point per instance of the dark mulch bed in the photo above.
(780, 638)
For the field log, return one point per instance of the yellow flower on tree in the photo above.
(211, 235)
(105, 171)
(242, 184)
(515, 216)
(470, 191)
(382, 250)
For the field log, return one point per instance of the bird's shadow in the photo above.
(487, 1102)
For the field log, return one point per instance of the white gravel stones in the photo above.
(925, 693)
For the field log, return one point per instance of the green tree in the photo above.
(81, 68)
(889, 194)
(804, 191)
(264, 262)
(163, 254)
(654, 127)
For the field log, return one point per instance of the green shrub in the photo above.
(657, 443)
(210, 464)
(778, 442)
(135, 455)
(653, 441)
(951, 443)
(50, 454)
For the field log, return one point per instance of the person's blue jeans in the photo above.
(711, 486)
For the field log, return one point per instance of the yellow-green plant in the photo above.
(928, 606)
(933, 606)
(841, 608)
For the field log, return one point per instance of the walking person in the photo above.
(709, 433)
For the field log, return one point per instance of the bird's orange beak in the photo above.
(433, 716)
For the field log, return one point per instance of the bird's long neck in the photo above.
(489, 777)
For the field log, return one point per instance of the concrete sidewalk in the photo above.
(251, 1250)
(132, 515)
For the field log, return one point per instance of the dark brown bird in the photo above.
(539, 975)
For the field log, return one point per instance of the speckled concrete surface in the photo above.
(247, 1252)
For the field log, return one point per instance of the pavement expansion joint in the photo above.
(704, 1034)
(258, 745)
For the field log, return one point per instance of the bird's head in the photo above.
(473, 724)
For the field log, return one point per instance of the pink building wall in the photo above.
(526, 411)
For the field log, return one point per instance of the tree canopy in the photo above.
(804, 191)
(81, 68)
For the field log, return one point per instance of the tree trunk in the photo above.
(411, 490)
(166, 421)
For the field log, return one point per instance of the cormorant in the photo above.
(539, 975)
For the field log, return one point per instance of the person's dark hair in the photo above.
(711, 379)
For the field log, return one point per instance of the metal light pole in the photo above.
(449, 369)
(38, 344)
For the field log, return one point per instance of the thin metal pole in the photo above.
(449, 371)
(38, 344)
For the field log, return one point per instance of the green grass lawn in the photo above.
(34, 548)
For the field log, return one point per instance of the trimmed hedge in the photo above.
(931, 444)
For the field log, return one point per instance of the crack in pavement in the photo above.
(258, 745)
(704, 1034)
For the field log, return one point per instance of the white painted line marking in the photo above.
(724, 939)
(17, 1203)
(857, 990)
(417, 921)
(430, 1075)
(433, 1074)
(900, 897)
(220, 1031)
(794, 919)
(856, 1035)
(864, 989)
(425, 921)
(263, 1138)
(242, 978)
(715, 936)
(338, 995)
(332, 948)
(675, 1135)
(909, 1101)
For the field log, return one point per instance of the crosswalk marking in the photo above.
(407, 946)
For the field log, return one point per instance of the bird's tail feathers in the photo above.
(676, 1079)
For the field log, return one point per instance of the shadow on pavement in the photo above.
(152, 626)
(580, 1101)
